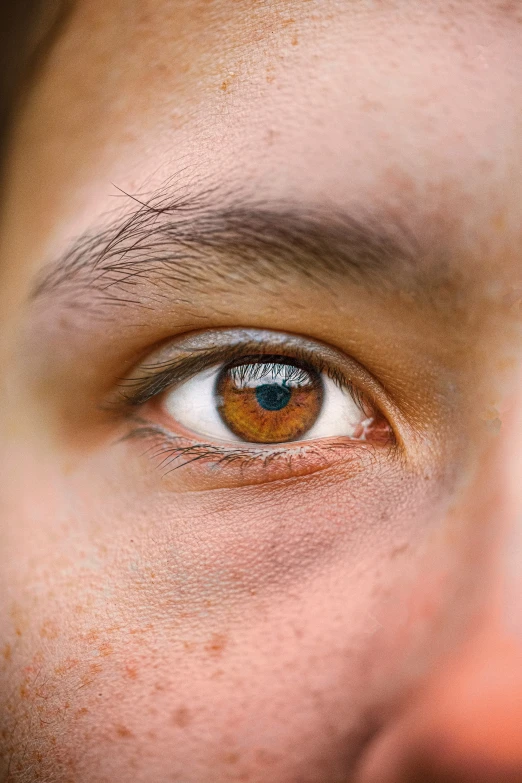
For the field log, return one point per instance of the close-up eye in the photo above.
(267, 399)
(246, 390)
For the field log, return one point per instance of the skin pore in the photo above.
(190, 182)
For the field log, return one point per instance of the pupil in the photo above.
(272, 397)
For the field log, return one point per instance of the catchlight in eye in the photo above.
(272, 401)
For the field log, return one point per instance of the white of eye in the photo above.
(193, 404)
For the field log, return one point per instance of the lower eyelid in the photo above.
(213, 465)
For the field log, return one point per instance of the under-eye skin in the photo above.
(232, 395)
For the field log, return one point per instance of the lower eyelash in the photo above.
(171, 452)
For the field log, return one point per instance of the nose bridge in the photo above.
(463, 722)
(497, 506)
(490, 512)
(510, 556)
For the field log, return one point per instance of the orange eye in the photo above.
(269, 401)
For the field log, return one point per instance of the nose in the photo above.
(463, 723)
(465, 726)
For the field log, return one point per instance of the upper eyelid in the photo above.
(153, 381)
(182, 358)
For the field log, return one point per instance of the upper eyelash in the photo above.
(159, 377)
(256, 369)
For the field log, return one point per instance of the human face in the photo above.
(191, 594)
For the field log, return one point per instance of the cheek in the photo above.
(210, 554)
(287, 688)
(214, 633)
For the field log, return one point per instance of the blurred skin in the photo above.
(358, 619)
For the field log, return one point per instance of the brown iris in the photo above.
(270, 400)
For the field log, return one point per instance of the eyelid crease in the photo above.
(163, 375)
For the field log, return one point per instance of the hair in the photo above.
(27, 29)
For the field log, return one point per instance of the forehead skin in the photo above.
(415, 106)
(397, 102)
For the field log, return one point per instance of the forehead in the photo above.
(416, 105)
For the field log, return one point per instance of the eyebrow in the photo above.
(168, 247)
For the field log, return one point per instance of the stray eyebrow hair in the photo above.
(177, 246)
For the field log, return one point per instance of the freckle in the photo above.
(66, 666)
(498, 222)
(142, 630)
(224, 86)
(82, 711)
(399, 180)
(217, 644)
(123, 731)
(105, 649)
(369, 105)
(181, 717)
(230, 758)
(49, 630)
(18, 631)
(295, 40)
(399, 550)
(131, 672)
(266, 757)
(7, 652)
(271, 136)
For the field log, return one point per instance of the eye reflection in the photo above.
(269, 402)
